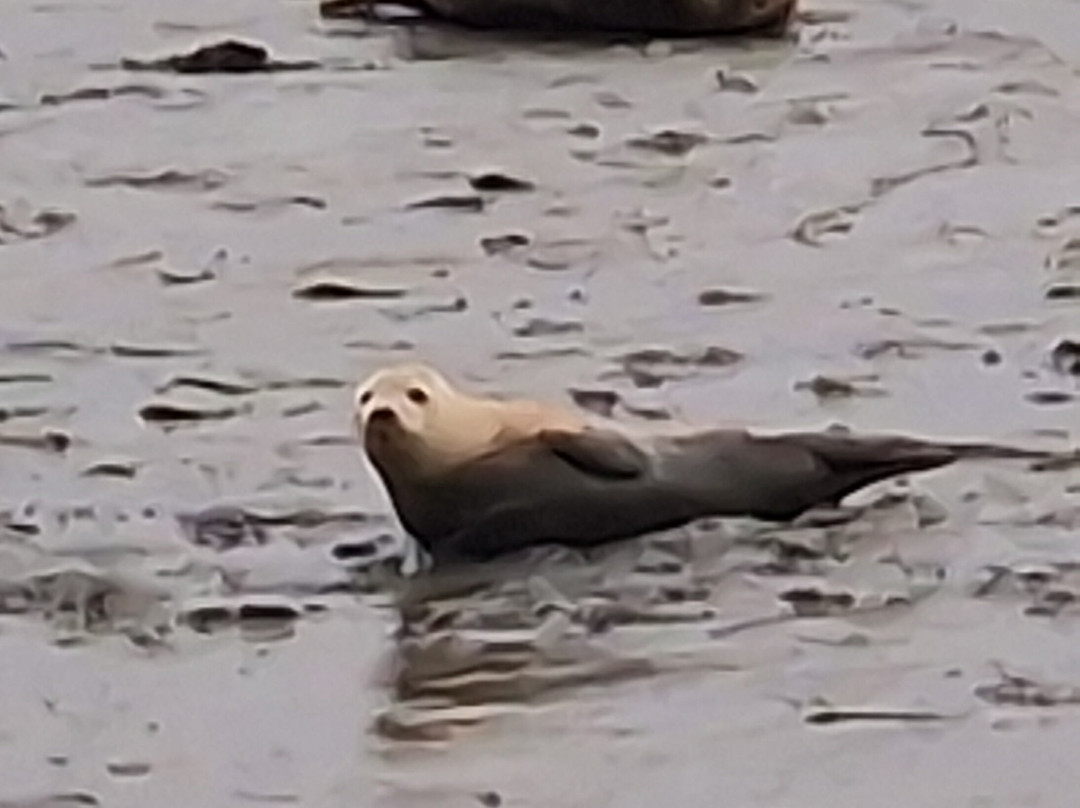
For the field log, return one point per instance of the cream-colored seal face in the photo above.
(411, 416)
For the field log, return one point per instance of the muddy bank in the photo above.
(873, 222)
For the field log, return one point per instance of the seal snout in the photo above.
(381, 423)
(382, 415)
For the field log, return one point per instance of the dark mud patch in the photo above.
(225, 387)
(831, 387)
(167, 413)
(227, 56)
(52, 441)
(1020, 691)
(63, 799)
(26, 378)
(834, 715)
(309, 201)
(333, 290)
(131, 350)
(507, 242)
(911, 348)
(21, 223)
(668, 142)
(652, 367)
(167, 179)
(1063, 291)
(103, 94)
(117, 469)
(718, 296)
(499, 182)
(462, 203)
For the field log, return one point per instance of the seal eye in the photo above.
(416, 395)
(365, 397)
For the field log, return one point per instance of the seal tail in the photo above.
(861, 461)
(858, 462)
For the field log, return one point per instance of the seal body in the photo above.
(651, 16)
(472, 478)
(533, 492)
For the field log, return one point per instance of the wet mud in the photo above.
(216, 217)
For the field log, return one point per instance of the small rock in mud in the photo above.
(727, 297)
(1065, 357)
(1063, 291)
(497, 181)
(496, 245)
(466, 203)
(227, 56)
(332, 289)
(670, 142)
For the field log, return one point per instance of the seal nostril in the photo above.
(382, 415)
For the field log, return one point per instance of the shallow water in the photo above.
(195, 269)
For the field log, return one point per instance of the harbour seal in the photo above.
(664, 17)
(472, 478)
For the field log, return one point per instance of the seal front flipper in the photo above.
(497, 533)
(598, 452)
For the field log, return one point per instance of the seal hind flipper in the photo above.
(856, 462)
(597, 452)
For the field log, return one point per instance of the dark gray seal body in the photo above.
(659, 17)
(653, 16)
(589, 488)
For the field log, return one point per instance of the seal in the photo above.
(472, 477)
(664, 17)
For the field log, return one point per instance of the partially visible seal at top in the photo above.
(472, 477)
(661, 17)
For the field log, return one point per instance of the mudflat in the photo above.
(873, 221)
